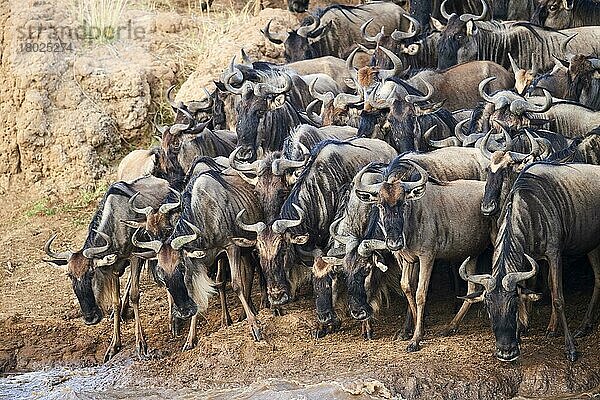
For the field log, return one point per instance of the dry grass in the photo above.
(100, 18)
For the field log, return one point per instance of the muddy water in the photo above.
(102, 383)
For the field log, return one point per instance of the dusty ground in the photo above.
(40, 327)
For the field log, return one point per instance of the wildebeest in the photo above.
(301, 229)
(424, 220)
(544, 197)
(563, 14)
(577, 80)
(268, 110)
(95, 269)
(466, 39)
(204, 230)
(335, 30)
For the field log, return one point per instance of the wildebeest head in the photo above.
(582, 70)
(174, 259)
(335, 110)
(158, 223)
(300, 44)
(503, 298)
(298, 6)
(265, 115)
(505, 165)
(511, 111)
(555, 81)
(555, 14)
(86, 271)
(458, 42)
(277, 255)
(392, 196)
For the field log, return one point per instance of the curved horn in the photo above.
(396, 71)
(171, 101)
(280, 165)
(267, 33)
(483, 146)
(146, 210)
(467, 17)
(368, 246)
(256, 228)
(416, 28)
(245, 58)
(482, 92)
(176, 128)
(485, 280)
(326, 98)
(178, 242)
(350, 63)
(343, 239)
(563, 47)
(311, 114)
(265, 89)
(153, 245)
(371, 188)
(366, 36)
(204, 104)
(243, 167)
(410, 98)
(541, 109)
(444, 12)
(514, 65)
(534, 145)
(65, 255)
(458, 130)
(94, 251)
(342, 100)
(509, 282)
(595, 62)
(534, 66)
(423, 177)
(166, 207)
(306, 30)
(281, 225)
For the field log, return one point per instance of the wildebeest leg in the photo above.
(425, 267)
(367, 329)
(140, 341)
(407, 284)
(126, 296)
(175, 324)
(237, 283)
(115, 344)
(586, 324)
(190, 341)
(221, 276)
(559, 304)
(552, 324)
(452, 327)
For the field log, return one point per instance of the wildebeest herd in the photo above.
(468, 133)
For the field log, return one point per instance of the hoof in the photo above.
(572, 356)
(188, 345)
(403, 334)
(412, 347)
(368, 334)
(320, 332)
(449, 331)
(111, 352)
(142, 350)
(582, 331)
(256, 333)
(177, 325)
(226, 321)
(127, 314)
(550, 334)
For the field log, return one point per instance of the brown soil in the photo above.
(40, 327)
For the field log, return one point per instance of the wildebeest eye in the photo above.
(553, 7)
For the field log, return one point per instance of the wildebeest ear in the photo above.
(528, 294)
(471, 28)
(596, 74)
(350, 83)
(299, 239)
(436, 25)
(366, 197)
(411, 49)
(106, 261)
(220, 86)
(195, 254)
(146, 255)
(416, 193)
(333, 260)
(243, 242)
(277, 102)
(473, 297)
(134, 224)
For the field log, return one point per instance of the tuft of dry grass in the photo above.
(100, 18)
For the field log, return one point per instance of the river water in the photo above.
(101, 383)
